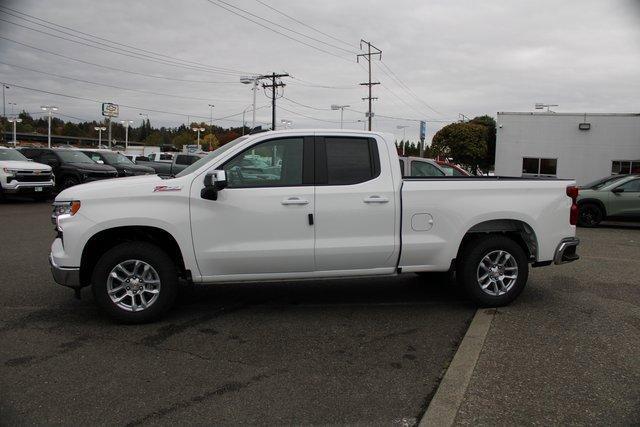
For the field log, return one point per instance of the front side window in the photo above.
(632, 186)
(274, 163)
(419, 168)
(349, 160)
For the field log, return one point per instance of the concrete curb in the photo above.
(444, 406)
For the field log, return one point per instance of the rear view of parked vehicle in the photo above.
(19, 175)
(610, 197)
(71, 167)
(419, 166)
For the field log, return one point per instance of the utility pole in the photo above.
(368, 56)
(274, 90)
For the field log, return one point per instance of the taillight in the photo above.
(572, 191)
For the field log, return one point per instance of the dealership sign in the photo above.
(110, 110)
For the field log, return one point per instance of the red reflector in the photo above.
(572, 191)
(573, 214)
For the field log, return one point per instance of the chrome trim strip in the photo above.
(562, 247)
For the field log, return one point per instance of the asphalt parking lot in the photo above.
(335, 352)
(358, 351)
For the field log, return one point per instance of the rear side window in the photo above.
(182, 159)
(419, 168)
(351, 160)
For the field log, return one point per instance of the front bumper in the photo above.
(27, 187)
(566, 251)
(65, 276)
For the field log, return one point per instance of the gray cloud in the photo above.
(458, 57)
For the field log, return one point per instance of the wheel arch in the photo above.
(596, 202)
(519, 231)
(101, 242)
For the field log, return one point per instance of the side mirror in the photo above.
(617, 190)
(213, 182)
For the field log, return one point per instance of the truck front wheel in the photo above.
(493, 270)
(135, 282)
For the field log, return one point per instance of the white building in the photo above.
(581, 146)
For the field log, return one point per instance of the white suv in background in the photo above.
(19, 175)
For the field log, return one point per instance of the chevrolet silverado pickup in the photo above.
(166, 168)
(296, 204)
(19, 175)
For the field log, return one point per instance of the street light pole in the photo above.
(4, 107)
(126, 124)
(100, 129)
(198, 129)
(404, 135)
(14, 121)
(49, 109)
(254, 82)
(243, 122)
(341, 108)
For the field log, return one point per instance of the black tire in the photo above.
(147, 253)
(469, 263)
(589, 215)
(68, 181)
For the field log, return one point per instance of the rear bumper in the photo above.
(567, 251)
(65, 276)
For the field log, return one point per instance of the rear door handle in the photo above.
(294, 201)
(376, 199)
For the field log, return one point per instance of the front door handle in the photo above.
(294, 201)
(376, 199)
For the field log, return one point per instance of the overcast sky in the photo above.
(440, 58)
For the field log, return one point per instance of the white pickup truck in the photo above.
(301, 204)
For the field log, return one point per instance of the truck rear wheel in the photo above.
(135, 282)
(493, 270)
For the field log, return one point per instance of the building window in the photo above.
(534, 166)
(624, 167)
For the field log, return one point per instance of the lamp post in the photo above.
(198, 129)
(364, 124)
(100, 129)
(126, 124)
(243, 121)
(49, 109)
(404, 134)
(14, 121)
(341, 108)
(4, 107)
(254, 82)
(13, 104)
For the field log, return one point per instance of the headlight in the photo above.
(64, 208)
(10, 171)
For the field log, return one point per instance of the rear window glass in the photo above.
(349, 161)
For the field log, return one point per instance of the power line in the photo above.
(306, 106)
(123, 53)
(127, 106)
(320, 85)
(275, 31)
(307, 25)
(107, 40)
(404, 86)
(312, 118)
(113, 86)
(112, 68)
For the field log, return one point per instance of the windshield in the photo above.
(598, 184)
(73, 156)
(116, 159)
(11, 154)
(212, 155)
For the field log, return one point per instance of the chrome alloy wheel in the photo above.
(497, 273)
(133, 285)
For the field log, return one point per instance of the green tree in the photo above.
(210, 141)
(464, 143)
(182, 139)
(489, 123)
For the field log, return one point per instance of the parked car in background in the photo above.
(331, 204)
(616, 196)
(166, 157)
(19, 175)
(173, 167)
(121, 163)
(452, 170)
(70, 166)
(419, 166)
